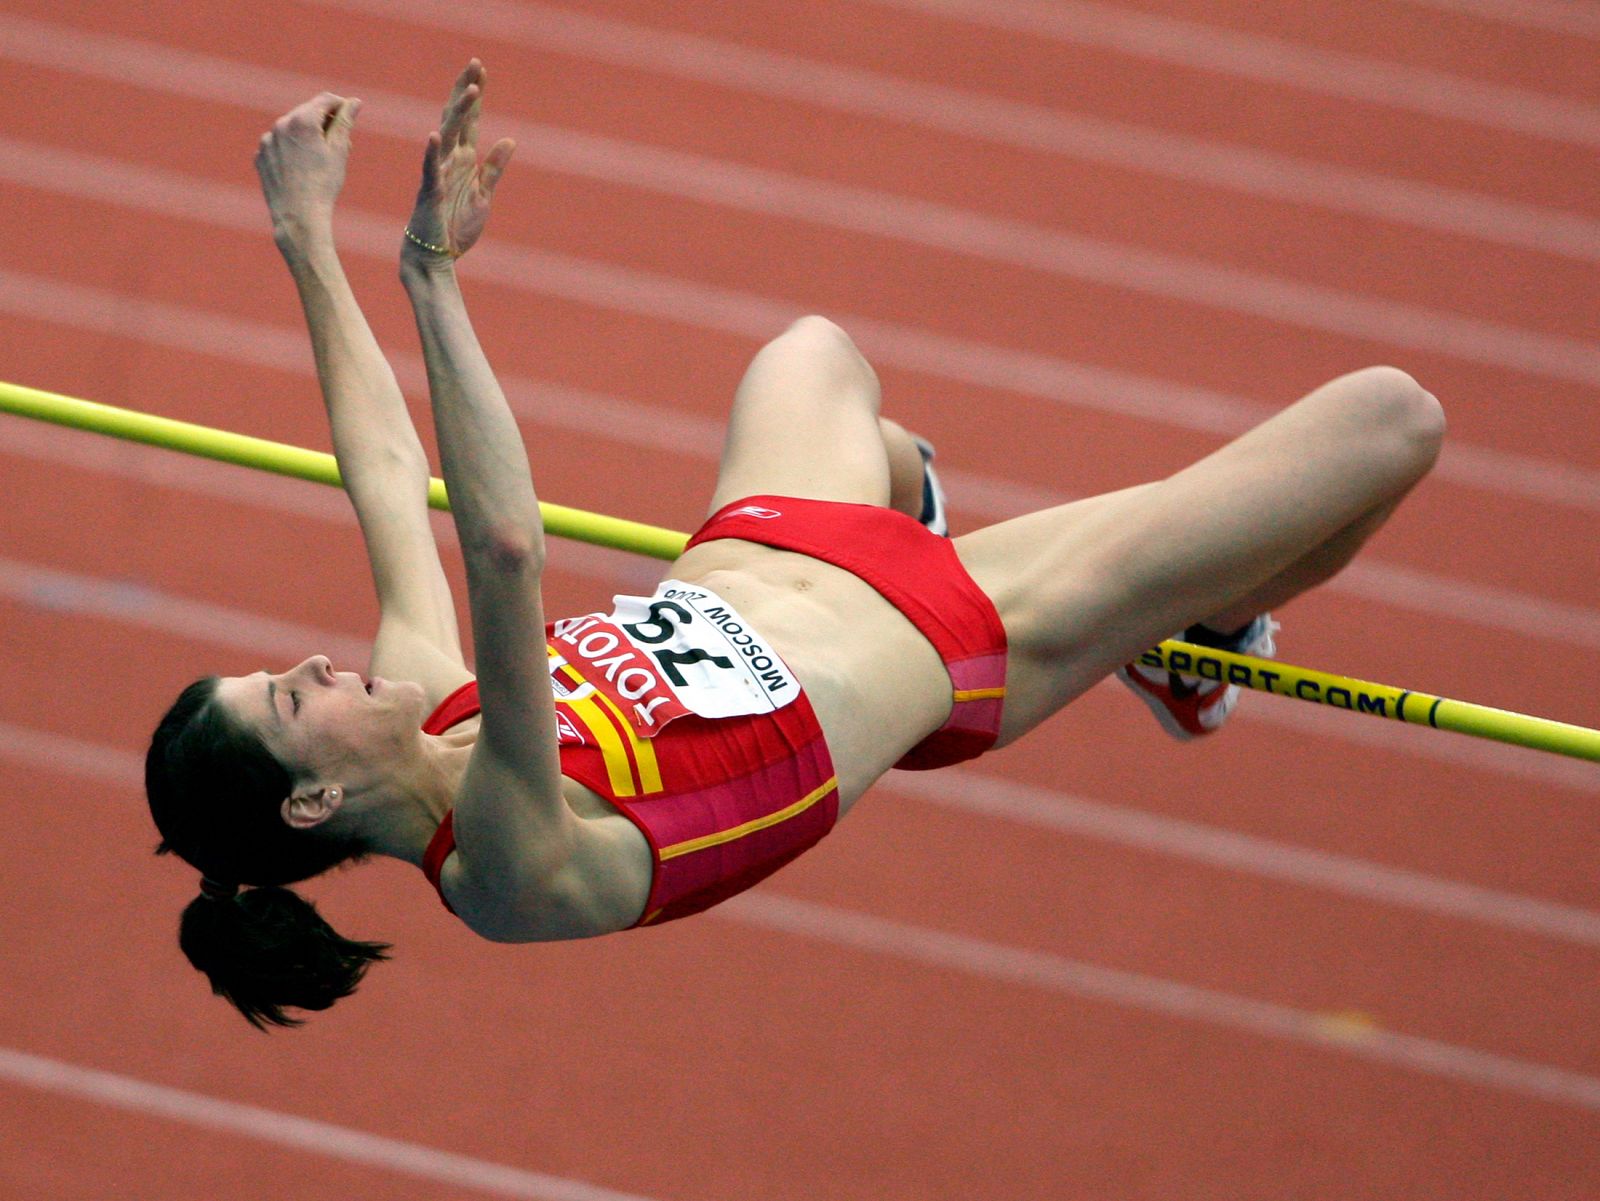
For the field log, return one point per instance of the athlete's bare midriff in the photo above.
(877, 685)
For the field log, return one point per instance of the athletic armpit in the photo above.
(400, 652)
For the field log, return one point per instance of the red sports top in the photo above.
(724, 803)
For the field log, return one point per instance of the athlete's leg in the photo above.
(1086, 587)
(906, 470)
(1316, 567)
(805, 422)
(1188, 706)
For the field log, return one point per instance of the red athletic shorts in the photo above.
(918, 573)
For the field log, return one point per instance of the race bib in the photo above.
(683, 650)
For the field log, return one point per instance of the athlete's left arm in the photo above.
(520, 849)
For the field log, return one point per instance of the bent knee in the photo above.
(815, 328)
(1405, 418)
(823, 350)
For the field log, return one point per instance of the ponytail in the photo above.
(268, 948)
(215, 792)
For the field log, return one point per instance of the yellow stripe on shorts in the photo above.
(750, 827)
(979, 694)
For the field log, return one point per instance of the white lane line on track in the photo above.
(962, 789)
(1270, 60)
(652, 427)
(52, 590)
(290, 1130)
(1555, 16)
(75, 756)
(1007, 122)
(1180, 278)
(975, 792)
(1500, 608)
(636, 575)
(1076, 978)
(1056, 381)
(1520, 475)
(1169, 998)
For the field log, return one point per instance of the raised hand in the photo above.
(453, 201)
(301, 161)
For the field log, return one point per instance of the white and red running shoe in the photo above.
(1189, 706)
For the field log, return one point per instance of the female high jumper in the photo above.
(623, 769)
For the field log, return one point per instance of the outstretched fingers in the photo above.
(470, 74)
(459, 124)
(469, 124)
(453, 203)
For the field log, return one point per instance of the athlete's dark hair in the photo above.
(216, 795)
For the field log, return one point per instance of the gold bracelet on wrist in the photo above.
(444, 250)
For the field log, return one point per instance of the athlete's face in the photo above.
(320, 723)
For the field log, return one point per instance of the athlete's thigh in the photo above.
(1041, 574)
(805, 422)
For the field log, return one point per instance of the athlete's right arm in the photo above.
(301, 163)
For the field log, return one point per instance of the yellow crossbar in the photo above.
(1262, 675)
(314, 465)
(1380, 700)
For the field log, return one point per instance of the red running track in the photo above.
(1317, 957)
